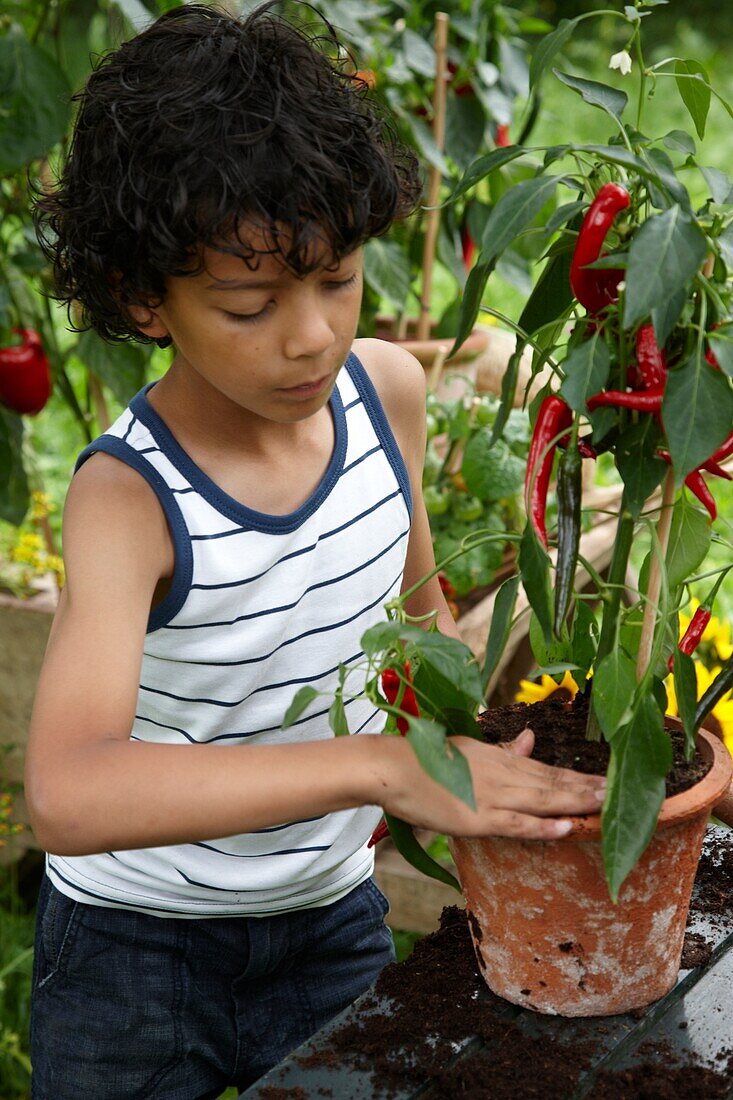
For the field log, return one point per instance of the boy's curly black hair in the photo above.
(198, 124)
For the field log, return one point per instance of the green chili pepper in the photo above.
(406, 843)
(719, 688)
(568, 530)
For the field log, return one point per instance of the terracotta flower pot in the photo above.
(546, 933)
(426, 350)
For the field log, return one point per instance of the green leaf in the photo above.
(387, 270)
(721, 344)
(419, 54)
(665, 316)
(337, 716)
(465, 123)
(556, 651)
(586, 372)
(695, 96)
(596, 94)
(614, 684)
(725, 243)
(453, 660)
(36, 101)
(427, 147)
(534, 566)
(563, 215)
(641, 754)
(515, 210)
(301, 700)
(442, 761)
(697, 412)
(501, 622)
(119, 366)
(552, 293)
(719, 183)
(689, 541)
(508, 392)
(680, 139)
(584, 638)
(491, 470)
(664, 255)
(473, 293)
(685, 688)
(380, 636)
(549, 46)
(483, 167)
(638, 464)
(410, 849)
(14, 489)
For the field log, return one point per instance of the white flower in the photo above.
(621, 61)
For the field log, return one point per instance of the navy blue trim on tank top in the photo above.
(373, 406)
(183, 554)
(221, 501)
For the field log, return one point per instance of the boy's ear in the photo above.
(148, 321)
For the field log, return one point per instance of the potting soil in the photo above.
(438, 998)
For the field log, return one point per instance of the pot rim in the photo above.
(476, 341)
(679, 807)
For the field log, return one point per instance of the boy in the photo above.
(208, 902)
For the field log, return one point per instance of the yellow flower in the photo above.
(720, 719)
(41, 505)
(530, 692)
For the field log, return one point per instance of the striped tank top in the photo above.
(259, 605)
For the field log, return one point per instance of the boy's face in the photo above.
(274, 352)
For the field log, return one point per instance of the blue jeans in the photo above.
(128, 1006)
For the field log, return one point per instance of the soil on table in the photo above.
(423, 1007)
(559, 730)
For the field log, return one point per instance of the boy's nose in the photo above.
(310, 333)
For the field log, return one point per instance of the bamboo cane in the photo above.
(433, 217)
(655, 578)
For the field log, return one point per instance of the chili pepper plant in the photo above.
(632, 312)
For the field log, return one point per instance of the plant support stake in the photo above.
(433, 218)
(655, 578)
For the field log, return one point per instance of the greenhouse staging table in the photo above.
(685, 1039)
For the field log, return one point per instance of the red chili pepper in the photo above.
(584, 448)
(696, 483)
(25, 378)
(469, 247)
(391, 684)
(502, 136)
(596, 289)
(643, 402)
(714, 468)
(650, 359)
(554, 416)
(381, 831)
(692, 636)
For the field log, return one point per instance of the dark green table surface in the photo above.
(702, 999)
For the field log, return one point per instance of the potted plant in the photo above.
(631, 313)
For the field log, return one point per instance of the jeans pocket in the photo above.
(378, 897)
(57, 929)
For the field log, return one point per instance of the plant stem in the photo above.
(617, 578)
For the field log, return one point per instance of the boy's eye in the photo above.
(253, 318)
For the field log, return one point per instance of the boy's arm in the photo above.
(399, 379)
(91, 789)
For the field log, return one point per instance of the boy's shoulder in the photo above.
(397, 376)
(105, 486)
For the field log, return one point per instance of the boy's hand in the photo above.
(515, 796)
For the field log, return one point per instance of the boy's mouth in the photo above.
(308, 389)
